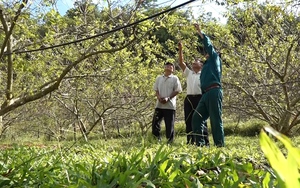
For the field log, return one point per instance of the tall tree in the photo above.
(50, 65)
(263, 52)
(34, 63)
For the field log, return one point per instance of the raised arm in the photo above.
(199, 31)
(206, 41)
(182, 65)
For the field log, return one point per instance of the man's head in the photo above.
(169, 67)
(197, 65)
(206, 55)
(203, 52)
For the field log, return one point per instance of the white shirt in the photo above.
(165, 86)
(193, 82)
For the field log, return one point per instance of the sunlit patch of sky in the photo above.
(216, 10)
(197, 6)
(64, 5)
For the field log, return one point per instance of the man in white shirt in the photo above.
(193, 96)
(166, 87)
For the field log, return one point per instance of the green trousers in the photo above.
(210, 106)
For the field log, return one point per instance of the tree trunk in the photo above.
(1, 127)
(82, 129)
(74, 132)
(103, 128)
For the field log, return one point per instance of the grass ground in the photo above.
(138, 161)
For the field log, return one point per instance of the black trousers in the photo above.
(190, 104)
(169, 119)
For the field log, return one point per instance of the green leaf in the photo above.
(266, 180)
(287, 169)
(4, 181)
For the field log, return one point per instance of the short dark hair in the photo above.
(198, 60)
(169, 63)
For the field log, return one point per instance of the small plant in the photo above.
(286, 167)
(136, 163)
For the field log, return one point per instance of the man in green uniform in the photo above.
(210, 104)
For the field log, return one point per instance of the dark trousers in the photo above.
(169, 119)
(190, 104)
(210, 105)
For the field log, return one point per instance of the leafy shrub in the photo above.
(286, 167)
(248, 128)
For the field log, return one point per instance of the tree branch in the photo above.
(8, 32)
(259, 108)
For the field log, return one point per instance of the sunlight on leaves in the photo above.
(286, 167)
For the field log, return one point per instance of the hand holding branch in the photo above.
(180, 46)
(198, 30)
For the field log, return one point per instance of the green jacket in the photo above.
(212, 68)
